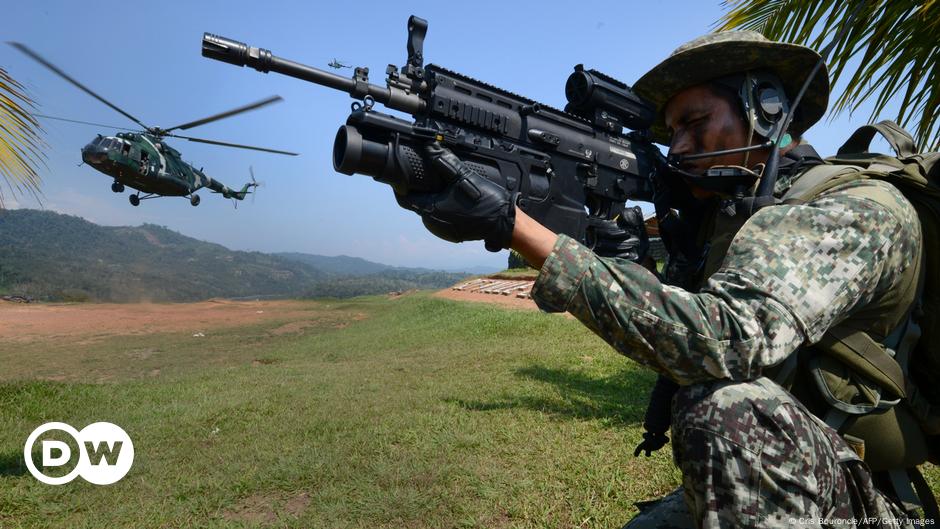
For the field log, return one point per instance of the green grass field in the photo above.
(405, 412)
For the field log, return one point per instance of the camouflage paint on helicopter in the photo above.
(143, 161)
(146, 163)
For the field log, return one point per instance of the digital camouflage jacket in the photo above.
(791, 273)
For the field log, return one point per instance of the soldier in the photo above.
(751, 454)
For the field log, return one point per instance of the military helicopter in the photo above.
(337, 64)
(141, 159)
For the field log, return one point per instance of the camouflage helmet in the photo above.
(725, 53)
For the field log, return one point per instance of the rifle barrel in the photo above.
(241, 54)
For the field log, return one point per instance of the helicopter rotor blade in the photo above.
(223, 115)
(38, 58)
(236, 145)
(43, 116)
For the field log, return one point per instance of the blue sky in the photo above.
(145, 57)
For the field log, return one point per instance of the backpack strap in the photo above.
(904, 489)
(899, 139)
(931, 509)
(818, 179)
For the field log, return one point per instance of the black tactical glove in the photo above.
(470, 207)
(658, 417)
(625, 239)
(652, 441)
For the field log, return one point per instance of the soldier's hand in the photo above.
(652, 441)
(470, 208)
(625, 239)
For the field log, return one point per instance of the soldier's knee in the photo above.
(735, 411)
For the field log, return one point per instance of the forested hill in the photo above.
(51, 256)
(339, 264)
(344, 264)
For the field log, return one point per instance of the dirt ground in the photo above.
(31, 321)
(21, 322)
(479, 297)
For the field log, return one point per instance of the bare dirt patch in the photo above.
(152, 239)
(267, 508)
(88, 321)
(478, 297)
(104, 343)
(298, 504)
(299, 327)
(253, 509)
(294, 327)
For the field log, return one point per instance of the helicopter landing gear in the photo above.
(194, 200)
(135, 200)
(117, 187)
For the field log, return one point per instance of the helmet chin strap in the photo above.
(751, 115)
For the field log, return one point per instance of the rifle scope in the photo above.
(590, 92)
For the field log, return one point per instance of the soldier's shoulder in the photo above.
(865, 185)
(870, 193)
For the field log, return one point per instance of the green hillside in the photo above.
(60, 257)
(340, 264)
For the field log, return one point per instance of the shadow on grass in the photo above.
(12, 464)
(619, 399)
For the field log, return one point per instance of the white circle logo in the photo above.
(105, 453)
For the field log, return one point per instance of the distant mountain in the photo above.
(51, 256)
(344, 264)
(340, 264)
(475, 270)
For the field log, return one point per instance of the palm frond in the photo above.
(21, 146)
(890, 54)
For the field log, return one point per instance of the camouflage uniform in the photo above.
(750, 454)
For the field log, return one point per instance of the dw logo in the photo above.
(105, 453)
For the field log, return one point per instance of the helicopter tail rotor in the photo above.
(247, 188)
(254, 183)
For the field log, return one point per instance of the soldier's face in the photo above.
(702, 120)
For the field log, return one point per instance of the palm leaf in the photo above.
(21, 147)
(890, 53)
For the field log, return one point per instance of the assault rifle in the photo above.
(574, 169)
